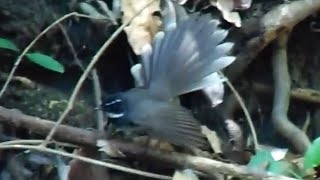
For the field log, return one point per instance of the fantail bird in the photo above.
(182, 59)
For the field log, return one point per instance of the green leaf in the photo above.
(261, 160)
(46, 62)
(7, 44)
(312, 156)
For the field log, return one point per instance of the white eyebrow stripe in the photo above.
(114, 115)
(113, 102)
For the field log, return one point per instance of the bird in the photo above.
(183, 58)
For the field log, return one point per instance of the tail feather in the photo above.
(171, 12)
(156, 53)
(221, 50)
(211, 40)
(197, 85)
(146, 63)
(185, 58)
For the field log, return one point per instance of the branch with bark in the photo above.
(267, 29)
(87, 138)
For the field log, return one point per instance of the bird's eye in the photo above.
(114, 108)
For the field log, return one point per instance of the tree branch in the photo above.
(89, 138)
(284, 16)
(282, 83)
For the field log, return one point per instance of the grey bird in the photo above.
(183, 58)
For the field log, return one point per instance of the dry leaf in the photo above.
(226, 7)
(106, 147)
(212, 138)
(232, 17)
(187, 174)
(143, 28)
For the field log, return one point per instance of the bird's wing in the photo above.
(174, 124)
(186, 57)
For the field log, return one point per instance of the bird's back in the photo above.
(164, 120)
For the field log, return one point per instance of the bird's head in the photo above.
(115, 108)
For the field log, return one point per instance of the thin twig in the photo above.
(24, 52)
(97, 98)
(245, 111)
(24, 141)
(85, 159)
(86, 73)
(36, 142)
(95, 78)
(72, 49)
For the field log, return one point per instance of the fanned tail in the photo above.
(186, 57)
